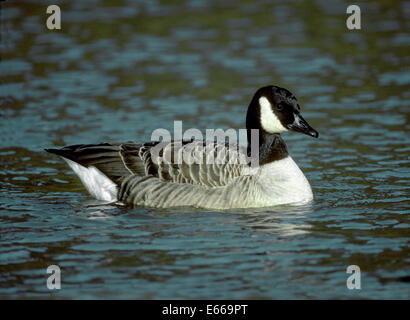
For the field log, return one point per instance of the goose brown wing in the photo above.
(194, 162)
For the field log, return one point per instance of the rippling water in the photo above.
(118, 70)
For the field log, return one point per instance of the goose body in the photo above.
(138, 173)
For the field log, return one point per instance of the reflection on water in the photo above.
(285, 220)
(116, 72)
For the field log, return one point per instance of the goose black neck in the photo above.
(271, 146)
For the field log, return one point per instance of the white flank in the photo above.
(269, 120)
(97, 183)
(284, 182)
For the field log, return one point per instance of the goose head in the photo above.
(275, 110)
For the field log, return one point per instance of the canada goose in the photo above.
(128, 172)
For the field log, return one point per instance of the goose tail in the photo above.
(98, 184)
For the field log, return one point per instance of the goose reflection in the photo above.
(285, 220)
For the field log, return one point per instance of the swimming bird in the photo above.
(137, 174)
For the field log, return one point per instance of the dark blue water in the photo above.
(116, 71)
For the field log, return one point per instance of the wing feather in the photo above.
(184, 162)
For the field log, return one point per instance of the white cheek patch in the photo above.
(269, 121)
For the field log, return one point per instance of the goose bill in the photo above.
(300, 125)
